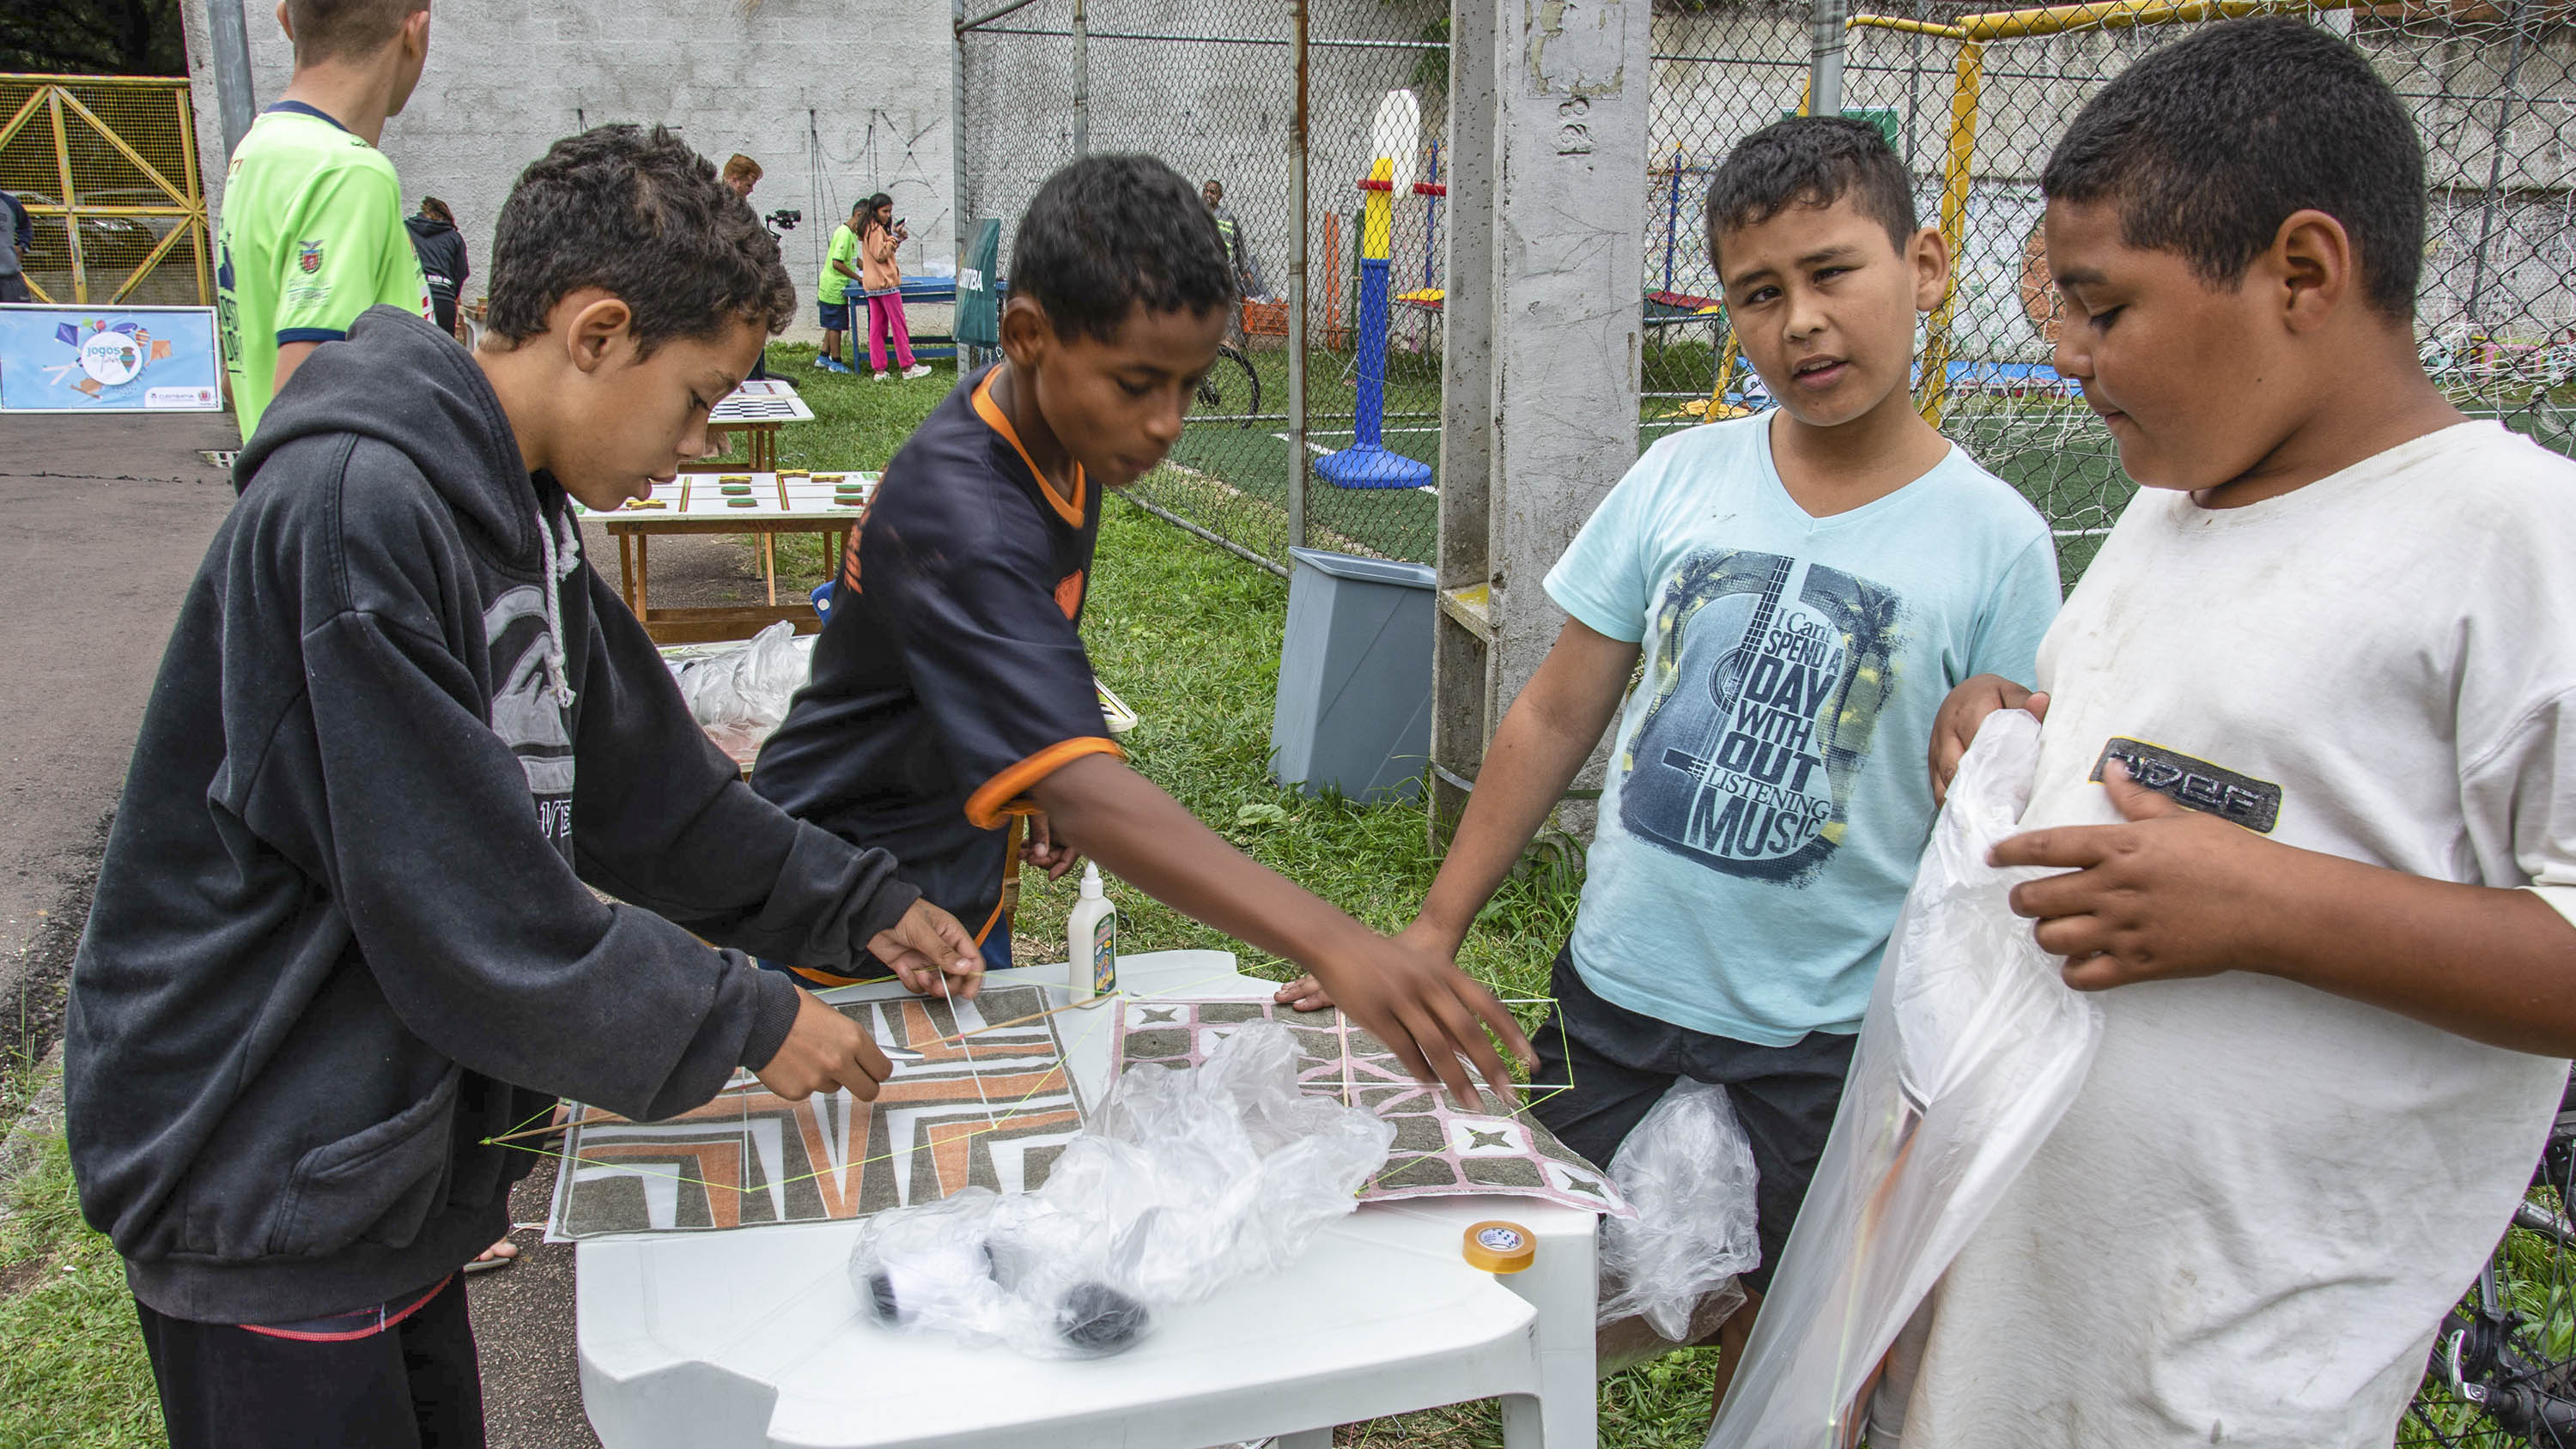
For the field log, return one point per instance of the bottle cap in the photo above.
(1500, 1247)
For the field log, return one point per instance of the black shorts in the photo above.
(407, 1380)
(1621, 1063)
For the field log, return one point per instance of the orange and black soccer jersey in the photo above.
(950, 677)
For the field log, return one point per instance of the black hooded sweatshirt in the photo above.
(342, 933)
(442, 256)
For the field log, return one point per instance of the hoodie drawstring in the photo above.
(560, 561)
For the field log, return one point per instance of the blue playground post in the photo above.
(1366, 463)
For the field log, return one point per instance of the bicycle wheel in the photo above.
(1230, 391)
(2503, 1370)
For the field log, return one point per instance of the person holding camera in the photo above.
(880, 232)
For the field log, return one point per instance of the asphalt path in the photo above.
(103, 521)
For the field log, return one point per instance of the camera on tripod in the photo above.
(783, 219)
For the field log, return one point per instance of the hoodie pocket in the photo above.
(378, 1185)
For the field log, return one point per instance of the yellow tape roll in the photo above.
(1500, 1247)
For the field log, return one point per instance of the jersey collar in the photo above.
(1068, 509)
(299, 108)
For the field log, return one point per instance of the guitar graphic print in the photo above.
(1730, 767)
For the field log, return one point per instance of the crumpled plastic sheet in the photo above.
(1688, 1171)
(1183, 1182)
(1972, 1048)
(747, 687)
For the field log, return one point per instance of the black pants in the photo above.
(13, 288)
(1621, 1063)
(415, 1385)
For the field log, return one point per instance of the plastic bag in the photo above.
(747, 688)
(1971, 1050)
(1183, 1182)
(1688, 1171)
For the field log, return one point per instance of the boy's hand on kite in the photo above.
(1044, 852)
(1308, 994)
(1305, 994)
(2172, 893)
(931, 954)
(1955, 726)
(1428, 1011)
(824, 1050)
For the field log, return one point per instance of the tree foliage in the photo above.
(92, 37)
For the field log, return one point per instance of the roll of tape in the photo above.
(1500, 1247)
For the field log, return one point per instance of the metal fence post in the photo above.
(959, 214)
(1298, 471)
(228, 36)
(2495, 175)
(1825, 67)
(1081, 81)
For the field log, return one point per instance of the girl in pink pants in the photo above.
(882, 280)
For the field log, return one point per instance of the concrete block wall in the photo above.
(835, 100)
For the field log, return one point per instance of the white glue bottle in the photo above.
(1091, 940)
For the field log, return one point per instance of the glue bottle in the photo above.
(1091, 939)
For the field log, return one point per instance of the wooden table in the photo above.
(767, 504)
(756, 410)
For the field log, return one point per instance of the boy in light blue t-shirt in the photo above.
(1805, 587)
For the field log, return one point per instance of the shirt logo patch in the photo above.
(2198, 784)
(308, 256)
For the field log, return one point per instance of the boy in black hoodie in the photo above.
(344, 933)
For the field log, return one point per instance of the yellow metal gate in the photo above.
(107, 168)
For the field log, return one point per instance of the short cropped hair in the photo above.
(739, 167)
(1811, 161)
(641, 216)
(1108, 234)
(2207, 145)
(346, 29)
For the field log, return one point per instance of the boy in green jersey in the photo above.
(312, 231)
(832, 295)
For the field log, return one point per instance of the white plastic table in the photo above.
(754, 1336)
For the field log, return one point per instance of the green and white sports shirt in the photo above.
(312, 235)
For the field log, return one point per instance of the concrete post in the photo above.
(1565, 83)
(1461, 719)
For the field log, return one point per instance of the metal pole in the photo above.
(1081, 82)
(957, 211)
(2495, 173)
(1298, 471)
(229, 37)
(1825, 68)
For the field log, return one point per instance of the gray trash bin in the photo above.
(1354, 708)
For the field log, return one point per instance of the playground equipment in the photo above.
(1393, 140)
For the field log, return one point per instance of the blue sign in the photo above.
(75, 359)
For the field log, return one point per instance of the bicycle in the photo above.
(1231, 389)
(2503, 1367)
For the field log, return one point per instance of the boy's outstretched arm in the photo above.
(2176, 893)
(1544, 739)
(1416, 1002)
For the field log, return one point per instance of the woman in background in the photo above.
(441, 249)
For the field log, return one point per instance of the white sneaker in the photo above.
(883, 376)
(918, 369)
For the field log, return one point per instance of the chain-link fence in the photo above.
(1211, 88)
(1974, 97)
(107, 169)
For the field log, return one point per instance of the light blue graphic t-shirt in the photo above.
(1768, 798)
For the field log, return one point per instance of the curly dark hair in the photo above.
(1811, 161)
(1109, 234)
(640, 215)
(2209, 144)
